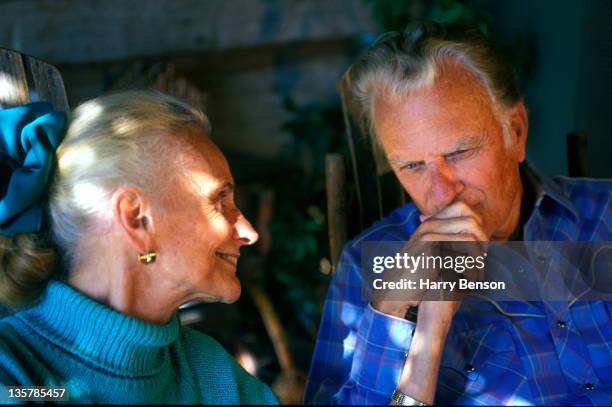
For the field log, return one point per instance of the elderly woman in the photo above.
(138, 219)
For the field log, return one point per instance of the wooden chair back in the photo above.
(25, 79)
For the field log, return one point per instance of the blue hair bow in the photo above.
(29, 136)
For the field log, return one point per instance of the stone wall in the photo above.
(84, 31)
(245, 55)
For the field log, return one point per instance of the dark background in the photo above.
(265, 72)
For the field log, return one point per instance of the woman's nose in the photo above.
(244, 232)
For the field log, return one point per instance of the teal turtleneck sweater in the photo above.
(103, 356)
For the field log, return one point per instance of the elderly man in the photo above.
(451, 120)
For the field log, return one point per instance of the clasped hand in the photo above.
(457, 222)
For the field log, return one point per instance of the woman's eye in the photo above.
(220, 204)
(226, 204)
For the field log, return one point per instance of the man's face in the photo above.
(445, 144)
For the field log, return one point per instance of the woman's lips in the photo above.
(228, 257)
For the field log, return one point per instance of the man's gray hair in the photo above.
(403, 62)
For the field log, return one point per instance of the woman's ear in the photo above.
(131, 211)
(519, 124)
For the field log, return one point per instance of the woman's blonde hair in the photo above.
(112, 140)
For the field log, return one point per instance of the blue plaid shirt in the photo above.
(507, 352)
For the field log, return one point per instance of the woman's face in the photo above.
(198, 228)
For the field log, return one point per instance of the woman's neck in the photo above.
(129, 289)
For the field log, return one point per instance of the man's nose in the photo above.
(244, 232)
(444, 186)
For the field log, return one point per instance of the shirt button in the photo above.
(561, 324)
(469, 368)
(589, 386)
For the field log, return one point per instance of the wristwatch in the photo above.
(400, 399)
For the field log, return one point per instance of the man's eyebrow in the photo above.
(469, 142)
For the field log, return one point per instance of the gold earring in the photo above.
(148, 258)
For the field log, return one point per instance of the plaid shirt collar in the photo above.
(545, 187)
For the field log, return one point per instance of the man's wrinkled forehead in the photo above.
(448, 75)
(453, 114)
(455, 90)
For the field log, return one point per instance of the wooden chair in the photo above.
(577, 165)
(373, 190)
(25, 79)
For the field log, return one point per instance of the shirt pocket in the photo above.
(476, 362)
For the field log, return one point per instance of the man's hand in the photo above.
(456, 222)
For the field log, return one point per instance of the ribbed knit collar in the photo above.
(100, 335)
